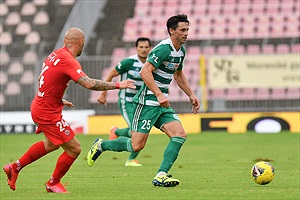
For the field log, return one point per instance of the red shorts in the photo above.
(57, 133)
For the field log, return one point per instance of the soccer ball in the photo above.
(262, 173)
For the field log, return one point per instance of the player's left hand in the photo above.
(68, 103)
(195, 104)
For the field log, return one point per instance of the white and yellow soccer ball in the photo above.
(262, 173)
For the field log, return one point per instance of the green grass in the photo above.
(211, 165)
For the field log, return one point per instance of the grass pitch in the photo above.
(211, 165)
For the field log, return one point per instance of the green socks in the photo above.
(119, 144)
(123, 132)
(171, 153)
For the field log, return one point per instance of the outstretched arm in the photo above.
(102, 97)
(184, 85)
(95, 84)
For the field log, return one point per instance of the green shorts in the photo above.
(126, 109)
(145, 117)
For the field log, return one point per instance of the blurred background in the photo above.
(242, 55)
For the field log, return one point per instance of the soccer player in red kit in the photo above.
(59, 68)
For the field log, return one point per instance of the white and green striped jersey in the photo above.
(129, 68)
(166, 59)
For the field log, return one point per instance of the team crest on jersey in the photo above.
(172, 66)
(67, 132)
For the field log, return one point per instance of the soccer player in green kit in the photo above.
(152, 108)
(128, 68)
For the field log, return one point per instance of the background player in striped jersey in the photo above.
(152, 107)
(128, 68)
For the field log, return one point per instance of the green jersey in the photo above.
(166, 59)
(129, 68)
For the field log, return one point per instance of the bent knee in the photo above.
(137, 148)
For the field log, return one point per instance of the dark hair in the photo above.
(173, 21)
(142, 39)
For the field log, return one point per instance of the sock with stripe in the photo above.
(35, 152)
(119, 144)
(171, 153)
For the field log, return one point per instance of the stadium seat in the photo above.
(12, 19)
(295, 48)
(272, 6)
(293, 93)
(29, 57)
(23, 28)
(243, 7)
(253, 49)
(286, 7)
(238, 49)
(282, 49)
(145, 28)
(41, 18)
(209, 50)
(2, 99)
(40, 3)
(186, 7)
(3, 78)
(278, 93)
(248, 27)
(4, 58)
(268, 49)
(3, 9)
(155, 9)
(223, 50)
(262, 93)
(27, 77)
(257, 7)
(32, 38)
(28, 9)
(13, 3)
(6, 38)
(130, 30)
(66, 2)
(170, 8)
(204, 32)
(277, 28)
(15, 68)
(228, 8)
(141, 8)
(12, 88)
(233, 94)
(216, 94)
(193, 53)
(247, 93)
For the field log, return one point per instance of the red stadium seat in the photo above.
(12, 88)
(278, 93)
(15, 68)
(282, 49)
(268, 49)
(293, 93)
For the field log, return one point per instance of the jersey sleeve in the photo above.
(158, 55)
(124, 66)
(75, 71)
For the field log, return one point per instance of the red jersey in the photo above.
(58, 69)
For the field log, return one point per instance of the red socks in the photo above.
(63, 164)
(35, 152)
